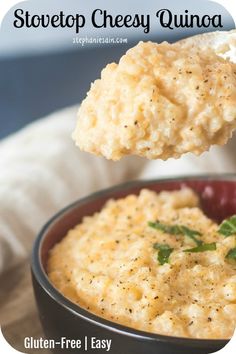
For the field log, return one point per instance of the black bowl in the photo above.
(61, 318)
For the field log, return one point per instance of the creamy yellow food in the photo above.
(109, 264)
(159, 101)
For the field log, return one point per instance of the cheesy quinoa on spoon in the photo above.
(159, 101)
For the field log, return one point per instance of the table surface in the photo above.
(19, 317)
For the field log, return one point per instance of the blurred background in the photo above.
(41, 171)
(41, 70)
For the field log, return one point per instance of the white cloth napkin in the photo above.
(41, 171)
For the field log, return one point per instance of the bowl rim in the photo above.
(42, 279)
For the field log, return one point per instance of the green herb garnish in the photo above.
(176, 230)
(231, 254)
(228, 227)
(164, 252)
(192, 234)
(202, 248)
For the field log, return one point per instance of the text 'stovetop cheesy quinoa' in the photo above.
(159, 101)
(153, 262)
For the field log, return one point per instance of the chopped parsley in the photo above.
(177, 230)
(228, 227)
(231, 254)
(164, 252)
(202, 248)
